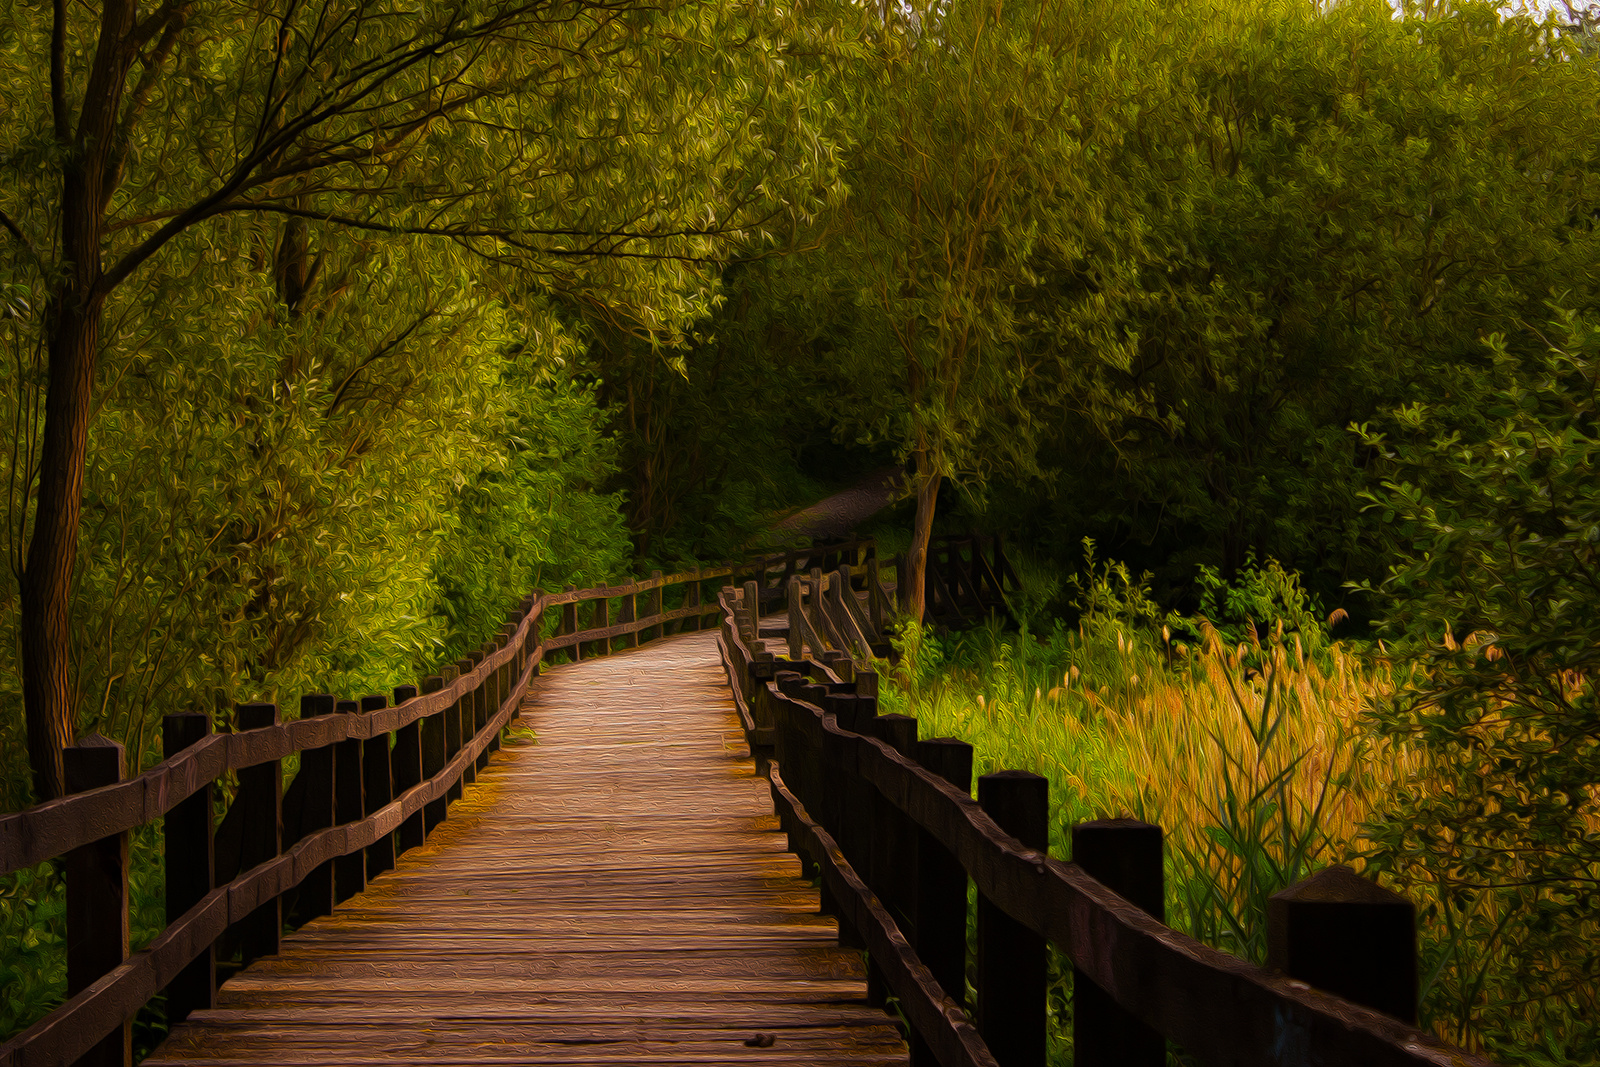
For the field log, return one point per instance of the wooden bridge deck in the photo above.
(615, 893)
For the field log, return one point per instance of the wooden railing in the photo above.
(373, 781)
(967, 577)
(889, 822)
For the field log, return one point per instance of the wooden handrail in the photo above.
(458, 718)
(818, 745)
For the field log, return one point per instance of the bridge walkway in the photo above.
(615, 891)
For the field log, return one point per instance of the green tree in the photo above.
(1337, 205)
(596, 148)
(980, 129)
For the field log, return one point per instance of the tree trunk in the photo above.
(928, 479)
(53, 547)
(73, 322)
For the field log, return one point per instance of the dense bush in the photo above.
(1497, 530)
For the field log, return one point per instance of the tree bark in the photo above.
(928, 479)
(74, 314)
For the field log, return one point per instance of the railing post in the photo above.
(1011, 958)
(480, 711)
(796, 637)
(941, 891)
(752, 607)
(97, 896)
(261, 793)
(187, 849)
(691, 599)
(378, 776)
(533, 639)
(601, 620)
(1124, 855)
(889, 846)
(433, 754)
(838, 797)
(493, 695)
(467, 711)
(349, 788)
(653, 602)
(315, 895)
(452, 728)
(406, 759)
(1348, 936)
(569, 625)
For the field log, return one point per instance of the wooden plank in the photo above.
(615, 892)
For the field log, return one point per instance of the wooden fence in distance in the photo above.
(890, 823)
(374, 779)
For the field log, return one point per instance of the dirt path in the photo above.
(837, 515)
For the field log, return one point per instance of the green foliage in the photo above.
(1333, 204)
(1107, 595)
(1497, 532)
(1259, 600)
(537, 519)
(33, 926)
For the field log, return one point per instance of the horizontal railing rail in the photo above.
(373, 781)
(889, 823)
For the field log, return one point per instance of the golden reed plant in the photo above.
(1255, 758)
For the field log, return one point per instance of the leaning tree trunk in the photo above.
(73, 321)
(928, 479)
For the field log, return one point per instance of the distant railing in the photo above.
(374, 780)
(889, 823)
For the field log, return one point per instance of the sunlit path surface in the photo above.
(616, 892)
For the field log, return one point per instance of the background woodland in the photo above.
(330, 329)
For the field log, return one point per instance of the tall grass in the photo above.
(1252, 752)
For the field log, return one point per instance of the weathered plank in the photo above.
(616, 892)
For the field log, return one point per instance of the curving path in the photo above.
(616, 892)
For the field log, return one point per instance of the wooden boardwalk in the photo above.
(616, 892)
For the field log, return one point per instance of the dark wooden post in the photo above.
(97, 896)
(261, 794)
(433, 754)
(652, 608)
(531, 641)
(893, 844)
(467, 710)
(480, 710)
(752, 607)
(315, 895)
(837, 804)
(1011, 958)
(406, 759)
(349, 801)
(890, 848)
(452, 729)
(691, 599)
(377, 770)
(627, 611)
(941, 898)
(188, 856)
(569, 625)
(900, 581)
(503, 683)
(1348, 936)
(793, 598)
(1124, 855)
(602, 619)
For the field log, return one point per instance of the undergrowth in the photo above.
(1245, 735)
